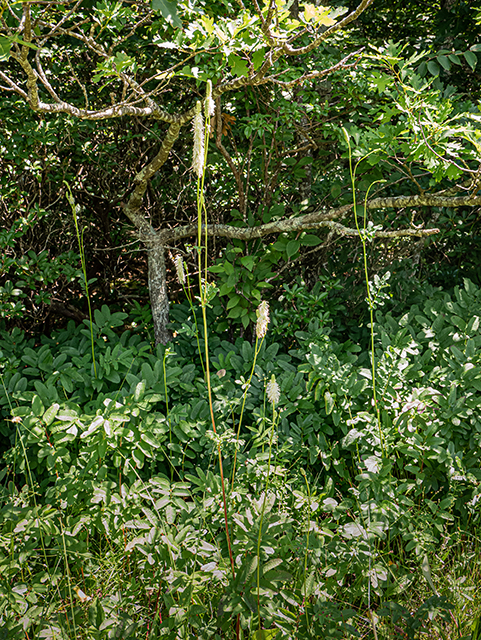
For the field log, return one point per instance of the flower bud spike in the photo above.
(209, 103)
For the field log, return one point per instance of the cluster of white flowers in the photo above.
(198, 156)
(262, 319)
(179, 267)
(199, 131)
(273, 391)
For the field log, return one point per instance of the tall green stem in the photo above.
(80, 240)
(362, 237)
(259, 537)
(203, 287)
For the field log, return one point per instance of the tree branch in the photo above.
(398, 202)
(235, 171)
(238, 233)
(291, 51)
(317, 74)
(131, 209)
(325, 219)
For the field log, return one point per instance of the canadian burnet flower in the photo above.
(262, 319)
(198, 155)
(273, 391)
(179, 267)
(209, 103)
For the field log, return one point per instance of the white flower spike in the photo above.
(273, 391)
(198, 155)
(262, 319)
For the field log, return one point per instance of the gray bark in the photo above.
(158, 293)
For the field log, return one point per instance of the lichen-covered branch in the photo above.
(141, 180)
(157, 276)
(320, 219)
(425, 200)
(286, 226)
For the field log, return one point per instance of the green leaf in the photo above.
(168, 10)
(248, 262)
(238, 65)
(310, 240)
(5, 46)
(258, 58)
(96, 614)
(309, 585)
(454, 58)
(292, 248)
(433, 68)
(235, 312)
(229, 267)
(233, 302)
(280, 245)
(149, 439)
(50, 414)
(329, 401)
(471, 58)
(336, 190)
(139, 390)
(444, 61)
(37, 406)
(170, 513)
(264, 634)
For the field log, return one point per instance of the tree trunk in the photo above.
(158, 293)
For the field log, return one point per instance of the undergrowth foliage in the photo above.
(112, 523)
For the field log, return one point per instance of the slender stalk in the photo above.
(80, 240)
(362, 237)
(307, 540)
(273, 395)
(244, 398)
(201, 135)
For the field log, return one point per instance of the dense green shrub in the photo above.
(113, 463)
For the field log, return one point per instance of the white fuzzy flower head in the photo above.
(262, 319)
(179, 267)
(198, 155)
(273, 391)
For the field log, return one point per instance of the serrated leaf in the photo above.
(168, 10)
(238, 65)
(258, 58)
